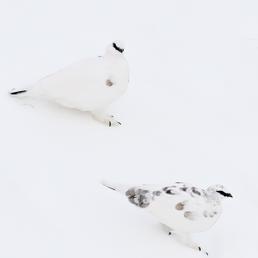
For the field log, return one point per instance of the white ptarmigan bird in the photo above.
(183, 208)
(89, 85)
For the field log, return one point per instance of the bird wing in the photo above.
(182, 207)
(73, 78)
(88, 63)
(188, 199)
(178, 196)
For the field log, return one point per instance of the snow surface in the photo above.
(190, 114)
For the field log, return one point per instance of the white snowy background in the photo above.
(190, 114)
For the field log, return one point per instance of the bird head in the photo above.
(219, 191)
(115, 48)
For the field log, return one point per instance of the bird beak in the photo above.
(230, 195)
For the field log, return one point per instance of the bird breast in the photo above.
(86, 85)
(184, 215)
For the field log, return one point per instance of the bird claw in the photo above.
(107, 119)
(203, 251)
(113, 122)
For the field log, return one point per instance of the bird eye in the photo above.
(225, 194)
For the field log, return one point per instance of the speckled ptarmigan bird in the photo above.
(89, 85)
(183, 208)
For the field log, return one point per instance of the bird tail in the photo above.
(17, 92)
(116, 187)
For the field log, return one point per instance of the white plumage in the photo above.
(183, 208)
(89, 85)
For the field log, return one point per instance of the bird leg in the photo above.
(186, 240)
(104, 118)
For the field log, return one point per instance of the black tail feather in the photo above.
(17, 92)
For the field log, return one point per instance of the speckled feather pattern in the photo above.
(180, 206)
(178, 203)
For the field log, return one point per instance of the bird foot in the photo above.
(106, 119)
(112, 122)
(186, 240)
(200, 249)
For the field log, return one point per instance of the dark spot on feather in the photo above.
(130, 192)
(170, 190)
(157, 193)
(189, 215)
(109, 83)
(180, 206)
(139, 197)
(195, 191)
